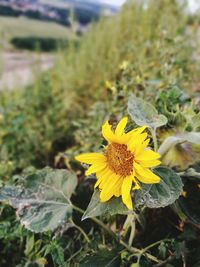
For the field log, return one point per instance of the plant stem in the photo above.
(142, 251)
(83, 232)
(153, 134)
(155, 244)
(120, 241)
(129, 223)
(169, 259)
(97, 221)
(74, 255)
(138, 251)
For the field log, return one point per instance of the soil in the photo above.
(19, 69)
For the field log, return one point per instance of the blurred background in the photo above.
(31, 31)
(65, 66)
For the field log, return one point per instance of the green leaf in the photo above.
(162, 194)
(111, 207)
(144, 113)
(42, 202)
(103, 258)
(56, 252)
(37, 212)
(60, 180)
(29, 244)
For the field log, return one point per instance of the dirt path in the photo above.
(20, 69)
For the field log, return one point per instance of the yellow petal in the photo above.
(104, 177)
(117, 192)
(132, 134)
(141, 148)
(149, 163)
(126, 188)
(107, 191)
(121, 126)
(108, 133)
(108, 185)
(117, 188)
(148, 155)
(137, 131)
(136, 141)
(91, 158)
(95, 168)
(145, 175)
(101, 176)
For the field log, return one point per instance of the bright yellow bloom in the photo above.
(124, 163)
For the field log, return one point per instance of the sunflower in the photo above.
(123, 164)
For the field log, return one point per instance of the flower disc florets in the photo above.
(119, 159)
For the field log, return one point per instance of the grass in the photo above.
(24, 27)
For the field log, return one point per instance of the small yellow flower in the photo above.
(124, 163)
(111, 87)
(124, 65)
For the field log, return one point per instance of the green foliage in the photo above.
(11, 27)
(44, 203)
(38, 43)
(144, 113)
(33, 120)
(57, 253)
(96, 208)
(163, 193)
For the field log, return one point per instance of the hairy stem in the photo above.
(155, 142)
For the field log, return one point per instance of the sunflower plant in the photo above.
(129, 173)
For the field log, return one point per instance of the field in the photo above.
(18, 67)
(99, 157)
(24, 27)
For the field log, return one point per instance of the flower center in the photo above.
(120, 159)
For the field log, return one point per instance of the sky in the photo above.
(113, 2)
(193, 4)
